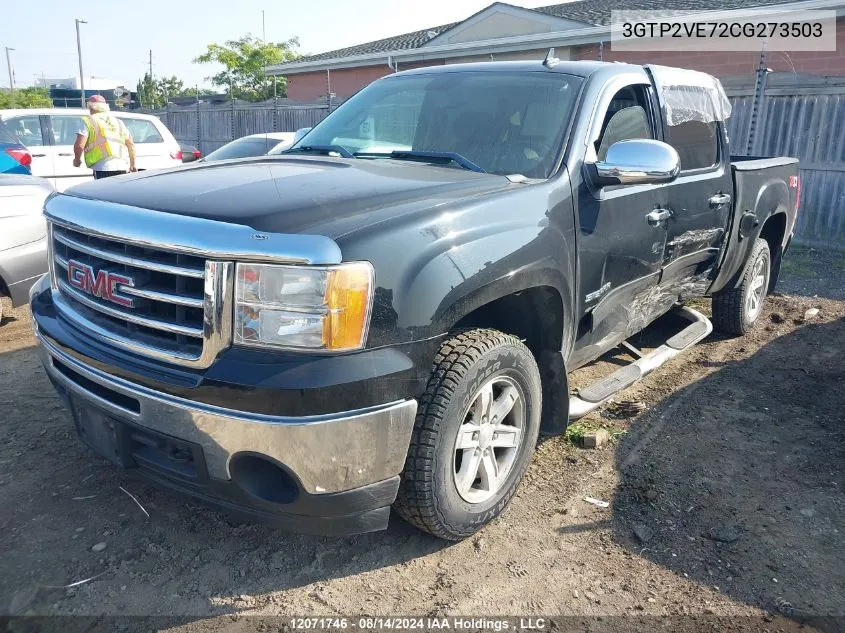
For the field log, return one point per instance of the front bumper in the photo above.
(331, 474)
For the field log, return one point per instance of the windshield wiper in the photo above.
(442, 157)
(325, 149)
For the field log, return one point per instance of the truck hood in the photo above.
(283, 194)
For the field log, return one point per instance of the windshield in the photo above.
(243, 148)
(505, 123)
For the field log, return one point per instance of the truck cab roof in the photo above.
(576, 68)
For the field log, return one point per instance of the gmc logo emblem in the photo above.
(102, 284)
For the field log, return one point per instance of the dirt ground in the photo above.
(726, 509)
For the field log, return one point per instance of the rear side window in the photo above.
(696, 144)
(142, 131)
(690, 129)
(6, 135)
(241, 148)
(27, 129)
(66, 127)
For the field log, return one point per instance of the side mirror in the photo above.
(300, 133)
(636, 162)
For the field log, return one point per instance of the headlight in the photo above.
(306, 307)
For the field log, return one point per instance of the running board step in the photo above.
(595, 395)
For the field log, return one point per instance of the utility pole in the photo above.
(151, 66)
(79, 52)
(757, 103)
(11, 77)
(263, 29)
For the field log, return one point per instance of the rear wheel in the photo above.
(737, 310)
(474, 435)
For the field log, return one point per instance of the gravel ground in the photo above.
(726, 510)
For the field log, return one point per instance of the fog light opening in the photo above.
(263, 479)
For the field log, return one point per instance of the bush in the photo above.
(26, 98)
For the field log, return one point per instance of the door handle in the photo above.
(657, 216)
(65, 154)
(719, 199)
(39, 155)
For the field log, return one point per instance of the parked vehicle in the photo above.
(188, 153)
(23, 235)
(252, 145)
(50, 133)
(14, 157)
(385, 314)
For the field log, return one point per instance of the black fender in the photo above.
(772, 198)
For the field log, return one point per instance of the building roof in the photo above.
(592, 12)
(403, 42)
(598, 11)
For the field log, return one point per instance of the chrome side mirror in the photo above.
(300, 133)
(636, 162)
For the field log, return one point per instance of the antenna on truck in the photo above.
(551, 61)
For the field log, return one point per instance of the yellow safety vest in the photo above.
(105, 138)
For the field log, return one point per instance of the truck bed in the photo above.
(763, 187)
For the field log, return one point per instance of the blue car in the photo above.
(14, 157)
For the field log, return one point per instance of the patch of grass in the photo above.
(797, 267)
(576, 431)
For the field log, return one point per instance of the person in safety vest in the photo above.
(105, 141)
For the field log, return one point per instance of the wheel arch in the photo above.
(536, 314)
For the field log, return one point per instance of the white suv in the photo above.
(49, 134)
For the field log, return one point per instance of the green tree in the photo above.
(26, 98)
(152, 94)
(244, 61)
(148, 93)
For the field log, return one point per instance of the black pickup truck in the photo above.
(385, 315)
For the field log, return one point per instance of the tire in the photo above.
(440, 492)
(737, 310)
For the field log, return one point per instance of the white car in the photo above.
(252, 145)
(49, 134)
(23, 235)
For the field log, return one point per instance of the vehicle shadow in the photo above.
(736, 481)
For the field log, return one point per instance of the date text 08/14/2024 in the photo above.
(458, 623)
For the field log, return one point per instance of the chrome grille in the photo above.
(177, 299)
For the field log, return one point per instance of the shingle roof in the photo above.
(402, 42)
(588, 11)
(598, 11)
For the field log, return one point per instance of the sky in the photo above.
(119, 35)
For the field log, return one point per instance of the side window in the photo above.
(626, 118)
(142, 131)
(27, 129)
(65, 128)
(695, 142)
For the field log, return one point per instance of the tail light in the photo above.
(795, 183)
(176, 155)
(197, 154)
(20, 155)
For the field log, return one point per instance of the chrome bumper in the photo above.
(327, 453)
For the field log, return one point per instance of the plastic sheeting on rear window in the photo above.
(689, 95)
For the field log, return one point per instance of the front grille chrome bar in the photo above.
(153, 295)
(120, 258)
(154, 324)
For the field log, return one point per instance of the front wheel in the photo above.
(736, 310)
(474, 435)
